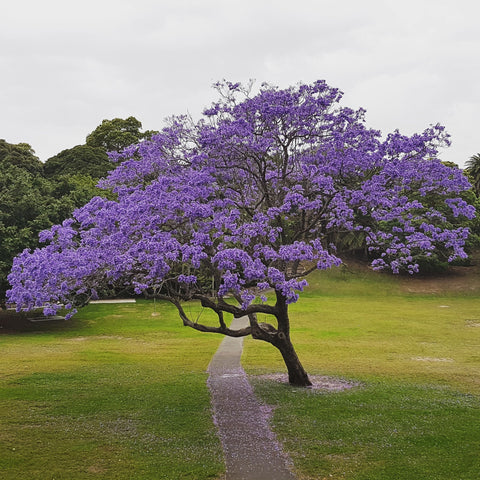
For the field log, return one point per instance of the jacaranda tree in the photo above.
(235, 210)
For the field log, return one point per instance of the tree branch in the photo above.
(223, 329)
(221, 305)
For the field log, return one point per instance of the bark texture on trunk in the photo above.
(296, 373)
(280, 338)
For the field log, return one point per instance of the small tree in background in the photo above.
(235, 210)
(473, 171)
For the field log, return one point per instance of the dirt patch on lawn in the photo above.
(461, 280)
(456, 280)
(319, 382)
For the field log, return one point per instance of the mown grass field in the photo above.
(117, 393)
(416, 414)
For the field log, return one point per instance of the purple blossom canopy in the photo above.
(248, 199)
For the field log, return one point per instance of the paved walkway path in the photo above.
(251, 449)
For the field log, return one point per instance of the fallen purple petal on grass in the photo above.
(319, 382)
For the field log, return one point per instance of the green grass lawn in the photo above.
(115, 393)
(416, 414)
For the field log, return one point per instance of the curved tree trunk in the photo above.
(280, 338)
(296, 373)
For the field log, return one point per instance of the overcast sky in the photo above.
(67, 65)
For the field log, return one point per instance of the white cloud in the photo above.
(66, 65)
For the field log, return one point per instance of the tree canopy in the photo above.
(242, 204)
(83, 159)
(92, 157)
(20, 155)
(116, 134)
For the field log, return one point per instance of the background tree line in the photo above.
(36, 195)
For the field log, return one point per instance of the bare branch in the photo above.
(223, 329)
(221, 305)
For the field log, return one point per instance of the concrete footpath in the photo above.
(251, 449)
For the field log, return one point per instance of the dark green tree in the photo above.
(116, 134)
(24, 200)
(21, 155)
(82, 159)
(33, 198)
(91, 158)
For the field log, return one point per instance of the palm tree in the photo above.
(473, 171)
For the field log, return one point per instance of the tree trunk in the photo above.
(280, 338)
(296, 373)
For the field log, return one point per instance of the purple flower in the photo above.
(261, 188)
